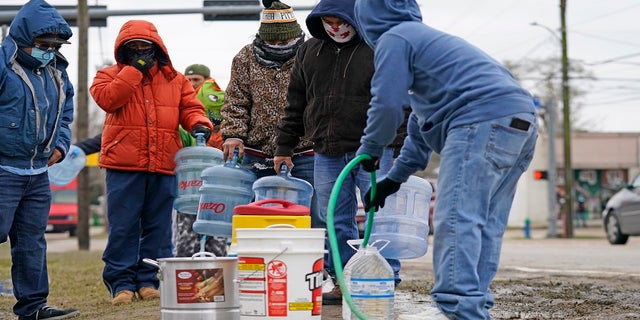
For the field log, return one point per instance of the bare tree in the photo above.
(543, 78)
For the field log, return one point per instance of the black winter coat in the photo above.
(328, 95)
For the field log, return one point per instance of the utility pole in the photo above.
(550, 106)
(82, 123)
(566, 114)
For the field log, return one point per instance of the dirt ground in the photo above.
(539, 296)
(540, 278)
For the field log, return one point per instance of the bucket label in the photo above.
(252, 286)
(279, 287)
(372, 288)
(199, 285)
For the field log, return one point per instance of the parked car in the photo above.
(63, 214)
(621, 215)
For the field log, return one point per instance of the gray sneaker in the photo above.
(51, 313)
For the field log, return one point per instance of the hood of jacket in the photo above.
(375, 17)
(142, 29)
(29, 23)
(342, 9)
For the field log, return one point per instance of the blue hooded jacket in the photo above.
(447, 81)
(36, 103)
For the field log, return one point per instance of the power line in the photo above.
(606, 14)
(615, 59)
(604, 38)
(608, 103)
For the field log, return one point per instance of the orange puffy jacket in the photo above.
(143, 111)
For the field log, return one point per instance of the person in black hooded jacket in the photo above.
(328, 97)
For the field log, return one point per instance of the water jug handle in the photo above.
(233, 162)
(284, 169)
(358, 242)
(284, 203)
(354, 243)
(386, 243)
(200, 139)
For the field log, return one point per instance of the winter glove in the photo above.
(143, 62)
(385, 187)
(370, 165)
(201, 129)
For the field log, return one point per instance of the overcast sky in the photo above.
(604, 35)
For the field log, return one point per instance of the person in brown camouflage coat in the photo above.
(257, 95)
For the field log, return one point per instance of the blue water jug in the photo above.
(404, 221)
(62, 173)
(190, 162)
(223, 187)
(283, 186)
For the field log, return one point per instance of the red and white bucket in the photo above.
(280, 272)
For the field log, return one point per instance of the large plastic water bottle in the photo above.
(370, 282)
(404, 221)
(190, 162)
(283, 186)
(62, 173)
(223, 188)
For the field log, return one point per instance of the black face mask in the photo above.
(135, 54)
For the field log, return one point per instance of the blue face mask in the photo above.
(43, 56)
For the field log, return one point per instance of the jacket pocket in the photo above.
(122, 148)
(505, 145)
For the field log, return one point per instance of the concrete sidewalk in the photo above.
(62, 242)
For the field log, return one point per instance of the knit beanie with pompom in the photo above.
(278, 22)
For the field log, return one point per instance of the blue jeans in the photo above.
(479, 170)
(139, 207)
(302, 169)
(327, 170)
(24, 211)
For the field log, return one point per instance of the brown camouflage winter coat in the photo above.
(254, 103)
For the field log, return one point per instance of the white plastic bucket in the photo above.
(280, 272)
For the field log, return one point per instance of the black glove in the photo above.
(201, 129)
(385, 187)
(370, 165)
(143, 62)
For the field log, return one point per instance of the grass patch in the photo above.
(75, 279)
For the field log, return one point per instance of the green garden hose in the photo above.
(335, 253)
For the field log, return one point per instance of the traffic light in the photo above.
(540, 175)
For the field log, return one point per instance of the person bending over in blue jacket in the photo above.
(469, 109)
(328, 99)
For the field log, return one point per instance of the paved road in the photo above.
(588, 252)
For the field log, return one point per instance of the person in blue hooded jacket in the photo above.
(468, 108)
(36, 109)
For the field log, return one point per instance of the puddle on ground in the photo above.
(410, 303)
